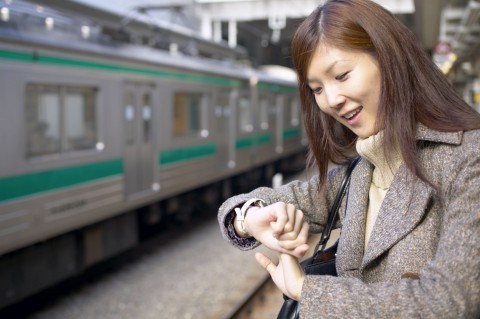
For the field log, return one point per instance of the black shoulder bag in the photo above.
(323, 261)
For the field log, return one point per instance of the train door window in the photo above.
(59, 119)
(263, 113)
(189, 114)
(222, 106)
(291, 117)
(147, 116)
(244, 115)
(129, 117)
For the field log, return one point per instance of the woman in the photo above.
(410, 234)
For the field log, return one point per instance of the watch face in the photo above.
(259, 202)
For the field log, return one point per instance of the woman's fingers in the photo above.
(299, 251)
(296, 229)
(287, 275)
(280, 210)
(286, 218)
(291, 240)
(269, 225)
(290, 224)
(266, 263)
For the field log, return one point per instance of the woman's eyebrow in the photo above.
(327, 70)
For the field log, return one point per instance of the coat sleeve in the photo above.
(304, 195)
(448, 285)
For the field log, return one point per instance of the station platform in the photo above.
(196, 275)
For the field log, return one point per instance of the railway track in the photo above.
(263, 301)
(133, 283)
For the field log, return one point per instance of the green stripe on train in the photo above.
(109, 67)
(252, 140)
(276, 88)
(291, 133)
(30, 184)
(186, 153)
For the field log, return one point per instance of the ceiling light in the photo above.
(5, 14)
(49, 23)
(218, 1)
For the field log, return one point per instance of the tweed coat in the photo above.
(423, 257)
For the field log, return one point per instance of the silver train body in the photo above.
(90, 134)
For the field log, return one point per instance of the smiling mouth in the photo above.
(350, 115)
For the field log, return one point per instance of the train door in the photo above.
(225, 126)
(139, 160)
(245, 140)
(265, 128)
(280, 118)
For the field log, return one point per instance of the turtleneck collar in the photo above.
(371, 149)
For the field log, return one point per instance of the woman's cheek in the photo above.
(319, 103)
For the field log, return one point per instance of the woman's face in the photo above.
(346, 85)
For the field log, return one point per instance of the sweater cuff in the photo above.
(243, 242)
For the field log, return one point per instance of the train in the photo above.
(101, 140)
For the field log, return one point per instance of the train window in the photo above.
(244, 116)
(59, 119)
(291, 114)
(80, 124)
(42, 120)
(189, 114)
(263, 113)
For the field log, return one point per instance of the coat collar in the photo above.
(427, 134)
(402, 209)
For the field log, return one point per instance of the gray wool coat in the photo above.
(423, 257)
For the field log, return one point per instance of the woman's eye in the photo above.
(342, 76)
(317, 90)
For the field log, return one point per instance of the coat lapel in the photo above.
(402, 209)
(351, 245)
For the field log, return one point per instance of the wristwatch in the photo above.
(241, 212)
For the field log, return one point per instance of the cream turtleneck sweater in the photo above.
(383, 173)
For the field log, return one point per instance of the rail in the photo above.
(258, 299)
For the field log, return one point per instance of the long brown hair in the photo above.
(413, 90)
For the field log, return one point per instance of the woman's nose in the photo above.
(334, 97)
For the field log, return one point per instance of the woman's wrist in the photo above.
(240, 219)
(241, 226)
(240, 229)
(248, 212)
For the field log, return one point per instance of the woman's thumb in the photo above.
(265, 262)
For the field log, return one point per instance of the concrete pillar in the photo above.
(217, 31)
(232, 33)
(207, 31)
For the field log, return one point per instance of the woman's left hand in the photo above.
(288, 275)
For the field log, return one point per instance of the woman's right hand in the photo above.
(288, 274)
(280, 227)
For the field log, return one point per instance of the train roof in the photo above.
(145, 55)
(32, 33)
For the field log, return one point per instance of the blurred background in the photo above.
(125, 124)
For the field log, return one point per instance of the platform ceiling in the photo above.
(265, 27)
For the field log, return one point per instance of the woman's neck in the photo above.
(371, 148)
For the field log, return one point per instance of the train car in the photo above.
(100, 139)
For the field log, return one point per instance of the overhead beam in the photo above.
(427, 22)
(260, 10)
(115, 20)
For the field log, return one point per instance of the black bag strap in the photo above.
(333, 213)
